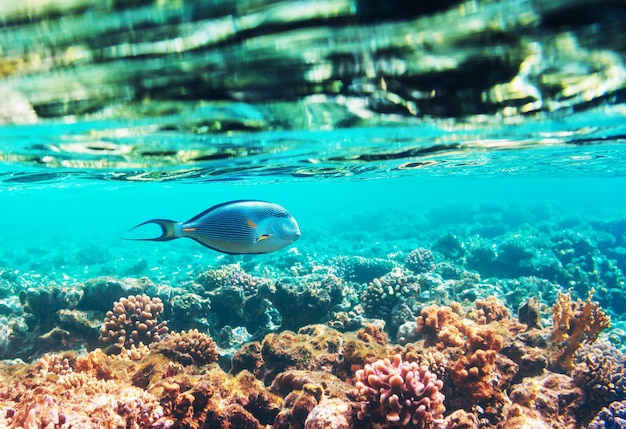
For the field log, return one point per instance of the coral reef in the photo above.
(304, 300)
(133, 321)
(485, 338)
(399, 394)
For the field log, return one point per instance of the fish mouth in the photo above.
(296, 234)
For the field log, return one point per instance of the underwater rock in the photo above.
(189, 311)
(250, 358)
(552, 400)
(239, 299)
(528, 313)
(329, 385)
(298, 405)
(481, 256)
(407, 333)
(313, 348)
(460, 419)
(99, 294)
(232, 339)
(531, 361)
(450, 246)
(69, 390)
(305, 300)
(83, 324)
(330, 413)
(44, 302)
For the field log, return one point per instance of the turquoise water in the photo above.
(67, 223)
(361, 191)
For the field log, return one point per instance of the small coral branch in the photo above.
(574, 323)
(132, 321)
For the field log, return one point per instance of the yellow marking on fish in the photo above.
(251, 224)
(263, 237)
(189, 229)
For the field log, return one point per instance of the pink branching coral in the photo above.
(399, 394)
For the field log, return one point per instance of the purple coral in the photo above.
(400, 393)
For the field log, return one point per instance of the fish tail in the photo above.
(168, 230)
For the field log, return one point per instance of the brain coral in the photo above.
(133, 320)
(399, 394)
(600, 369)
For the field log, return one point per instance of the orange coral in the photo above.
(478, 370)
(441, 326)
(572, 324)
(483, 338)
(490, 310)
(372, 334)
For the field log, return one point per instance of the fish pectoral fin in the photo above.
(262, 237)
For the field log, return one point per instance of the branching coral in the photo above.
(384, 293)
(188, 347)
(133, 320)
(574, 322)
(420, 260)
(399, 393)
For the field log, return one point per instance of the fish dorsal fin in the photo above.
(219, 206)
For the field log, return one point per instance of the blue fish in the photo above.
(235, 227)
